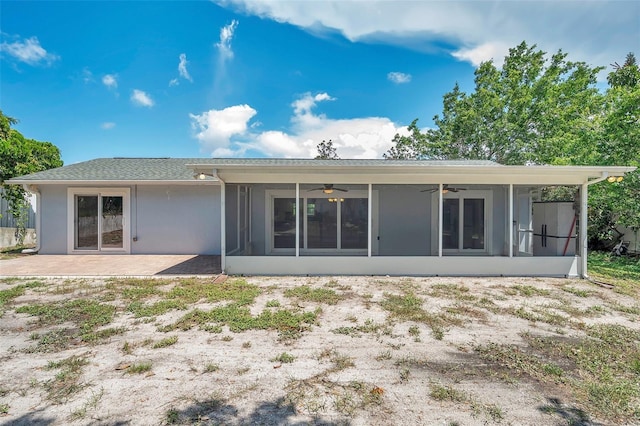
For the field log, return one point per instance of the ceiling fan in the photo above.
(445, 189)
(328, 189)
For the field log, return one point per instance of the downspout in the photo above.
(583, 221)
(34, 189)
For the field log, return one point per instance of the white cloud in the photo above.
(227, 132)
(182, 68)
(214, 128)
(140, 98)
(399, 77)
(226, 35)
(28, 51)
(174, 82)
(110, 80)
(108, 125)
(476, 30)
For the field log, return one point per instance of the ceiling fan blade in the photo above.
(316, 189)
(340, 189)
(430, 190)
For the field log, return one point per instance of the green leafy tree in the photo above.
(618, 143)
(326, 151)
(20, 156)
(404, 147)
(533, 110)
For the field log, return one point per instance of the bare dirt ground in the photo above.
(318, 350)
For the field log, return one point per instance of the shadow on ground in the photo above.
(199, 265)
(217, 412)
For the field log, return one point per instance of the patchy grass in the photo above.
(168, 341)
(525, 291)
(317, 295)
(602, 369)
(284, 358)
(67, 381)
(369, 327)
(239, 318)
(185, 293)
(9, 294)
(446, 393)
(408, 307)
(139, 368)
(87, 315)
(452, 291)
(621, 271)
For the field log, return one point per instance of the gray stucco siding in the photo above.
(175, 219)
(164, 219)
(404, 226)
(53, 219)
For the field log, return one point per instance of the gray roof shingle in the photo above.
(176, 169)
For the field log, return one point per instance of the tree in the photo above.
(405, 146)
(20, 156)
(618, 143)
(533, 110)
(326, 151)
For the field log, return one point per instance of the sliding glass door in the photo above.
(99, 221)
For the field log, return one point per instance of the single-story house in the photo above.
(303, 216)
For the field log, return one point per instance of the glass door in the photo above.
(463, 224)
(99, 221)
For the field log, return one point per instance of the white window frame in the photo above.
(125, 193)
(272, 194)
(487, 196)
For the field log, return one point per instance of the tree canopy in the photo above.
(20, 156)
(541, 109)
(326, 151)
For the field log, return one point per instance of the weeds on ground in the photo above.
(317, 295)
(168, 341)
(408, 307)
(86, 314)
(189, 291)
(369, 327)
(211, 368)
(623, 272)
(90, 404)
(284, 358)
(67, 381)
(139, 368)
(11, 293)
(239, 318)
(452, 291)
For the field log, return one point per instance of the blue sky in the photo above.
(268, 78)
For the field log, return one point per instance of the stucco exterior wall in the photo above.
(404, 226)
(53, 216)
(175, 219)
(165, 219)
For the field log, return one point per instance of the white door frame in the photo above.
(125, 193)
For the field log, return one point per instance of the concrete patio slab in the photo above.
(110, 265)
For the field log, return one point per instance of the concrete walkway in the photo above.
(109, 265)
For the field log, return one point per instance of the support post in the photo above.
(369, 216)
(583, 230)
(510, 220)
(440, 222)
(223, 225)
(298, 212)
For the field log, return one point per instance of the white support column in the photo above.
(369, 221)
(298, 212)
(583, 231)
(223, 225)
(440, 210)
(510, 220)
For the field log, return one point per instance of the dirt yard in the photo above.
(320, 350)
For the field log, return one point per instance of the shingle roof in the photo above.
(176, 169)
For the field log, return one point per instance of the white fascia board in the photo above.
(453, 174)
